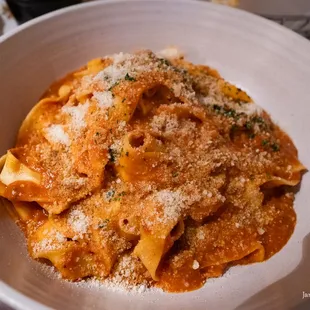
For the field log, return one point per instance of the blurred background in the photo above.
(294, 14)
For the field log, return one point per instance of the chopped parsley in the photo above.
(226, 112)
(127, 154)
(115, 84)
(124, 100)
(217, 107)
(175, 174)
(119, 196)
(164, 61)
(112, 155)
(103, 223)
(230, 113)
(248, 125)
(110, 194)
(129, 78)
(258, 119)
(275, 147)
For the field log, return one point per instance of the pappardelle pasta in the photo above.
(153, 170)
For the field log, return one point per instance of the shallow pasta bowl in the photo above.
(271, 63)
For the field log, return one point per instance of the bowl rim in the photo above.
(13, 297)
(81, 6)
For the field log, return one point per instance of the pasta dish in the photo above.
(149, 170)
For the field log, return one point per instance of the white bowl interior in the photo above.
(271, 63)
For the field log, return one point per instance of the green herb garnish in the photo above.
(248, 125)
(175, 174)
(164, 61)
(103, 223)
(112, 155)
(129, 78)
(110, 194)
(115, 84)
(275, 147)
(258, 119)
(217, 107)
(230, 113)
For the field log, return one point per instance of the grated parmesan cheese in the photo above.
(77, 114)
(120, 57)
(250, 109)
(54, 242)
(173, 203)
(117, 70)
(104, 99)
(165, 122)
(60, 237)
(177, 88)
(200, 235)
(79, 222)
(56, 134)
(127, 65)
(122, 125)
(260, 231)
(195, 265)
(207, 193)
(124, 278)
(74, 182)
(170, 53)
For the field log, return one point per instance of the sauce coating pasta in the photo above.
(150, 170)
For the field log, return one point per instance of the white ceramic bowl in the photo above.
(270, 62)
